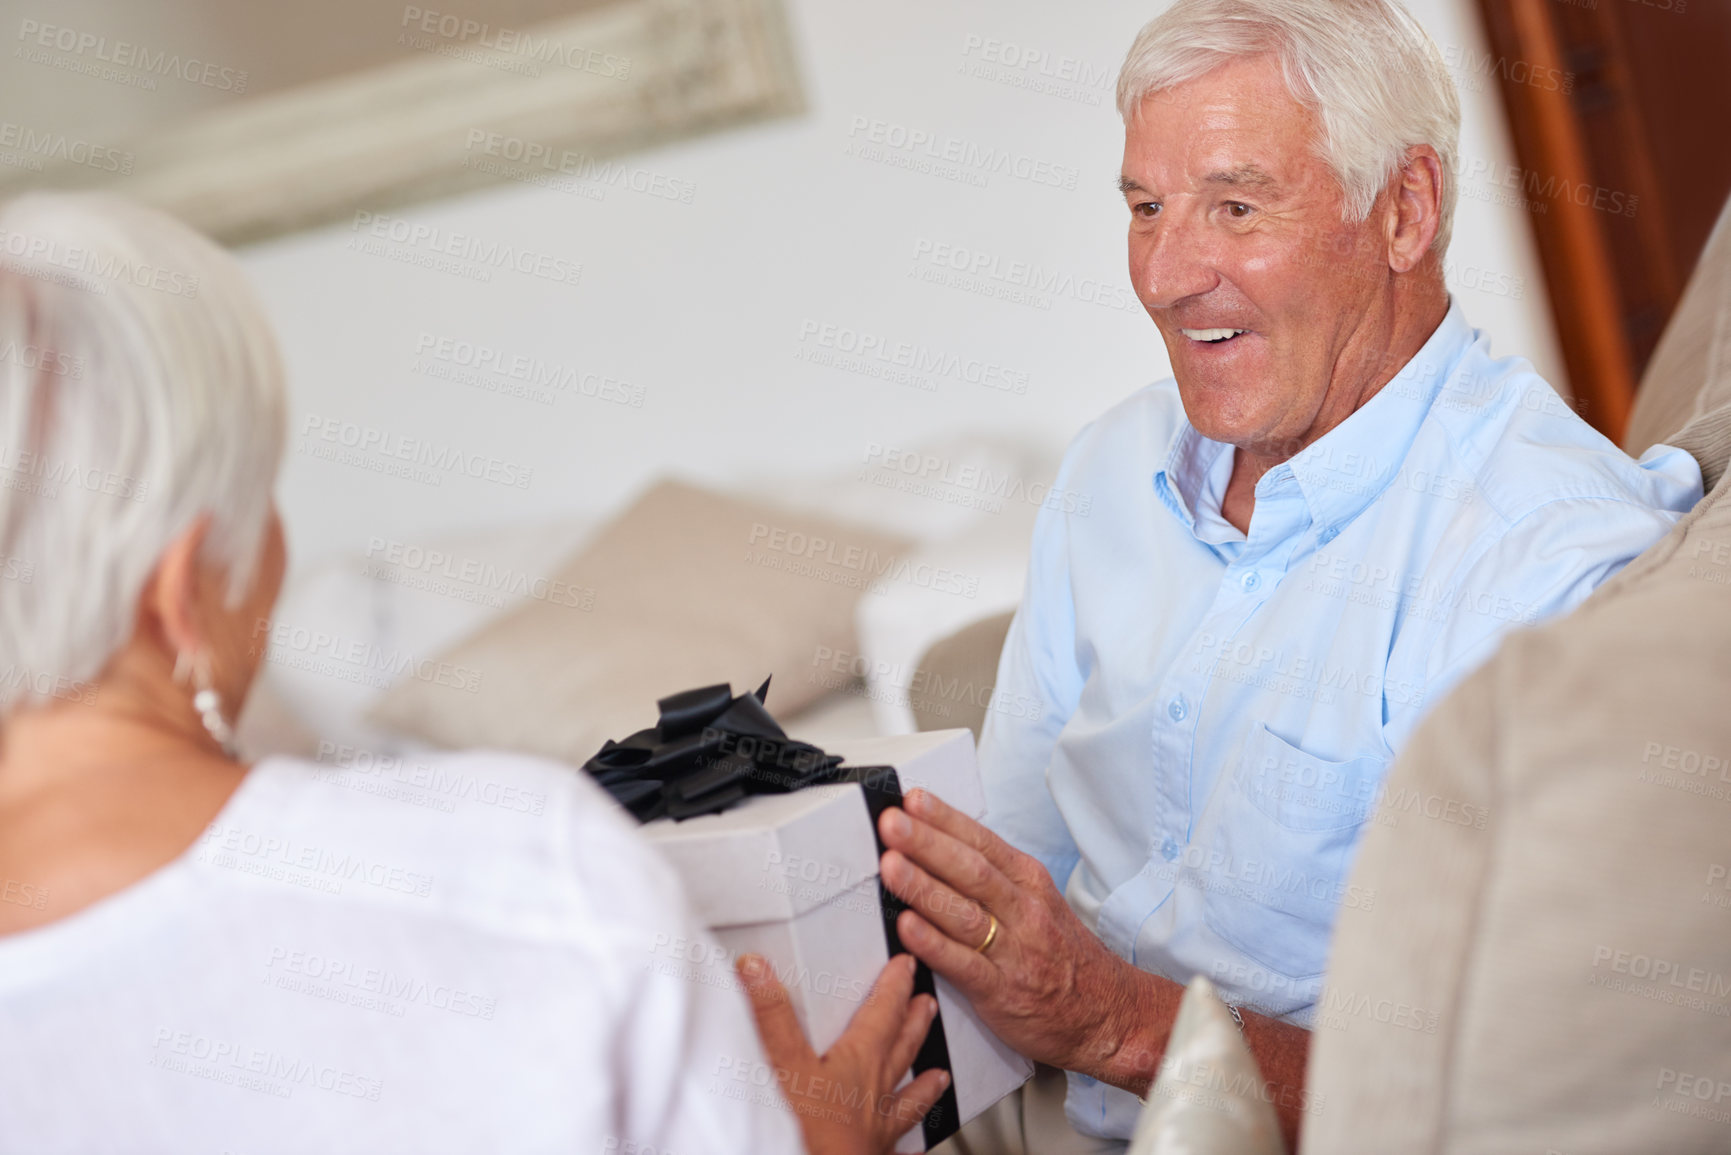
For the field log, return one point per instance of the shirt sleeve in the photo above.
(1038, 686)
(1541, 567)
(686, 1071)
(692, 1074)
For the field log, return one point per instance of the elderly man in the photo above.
(1332, 513)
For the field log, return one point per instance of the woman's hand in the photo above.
(846, 1099)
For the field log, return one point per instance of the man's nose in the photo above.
(1170, 264)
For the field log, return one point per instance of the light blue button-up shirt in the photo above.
(1217, 710)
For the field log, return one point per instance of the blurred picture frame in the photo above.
(461, 102)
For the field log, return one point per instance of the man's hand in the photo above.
(846, 1100)
(1046, 985)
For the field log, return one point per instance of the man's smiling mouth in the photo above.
(1212, 336)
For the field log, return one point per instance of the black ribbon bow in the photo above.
(711, 750)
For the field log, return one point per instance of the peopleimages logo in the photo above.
(537, 376)
(394, 560)
(42, 250)
(1474, 69)
(347, 976)
(433, 777)
(871, 136)
(581, 166)
(1037, 70)
(42, 358)
(318, 867)
(851, 566)
(51, 475)
(972, 477)
(23, 894)
(1019, 282)
(867, 347)
(1662, 972)
(364, 661)
(366, 441)
(124, 54)
(540, 49)
(17, 681)
(433, 243)
(57, 146)
(254, 1068)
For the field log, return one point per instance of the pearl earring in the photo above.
(206, 700)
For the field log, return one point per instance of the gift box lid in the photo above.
(941, 761)
(774, 857)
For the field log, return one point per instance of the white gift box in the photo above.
(793, 877)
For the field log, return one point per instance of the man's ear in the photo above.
(1415, 211)
(171, 597)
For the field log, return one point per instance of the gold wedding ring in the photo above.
(991, 934)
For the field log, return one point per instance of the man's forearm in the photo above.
(1137, 1023)
(1281, 1051)
(1126, 1051)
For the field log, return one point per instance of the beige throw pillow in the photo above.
(686, 588)
(1689, 375)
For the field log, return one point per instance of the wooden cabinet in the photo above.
(1624, 165)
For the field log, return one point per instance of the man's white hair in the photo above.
(140, 387)
(1367, 69)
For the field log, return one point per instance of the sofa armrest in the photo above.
(955, 677)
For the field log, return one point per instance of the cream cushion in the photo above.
(1210, 1097)
(686, 588)
(1685, 395)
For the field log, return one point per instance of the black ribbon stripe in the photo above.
(711, 751)
(883, 789)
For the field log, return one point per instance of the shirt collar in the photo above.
(1192, 483)
(1340, 473)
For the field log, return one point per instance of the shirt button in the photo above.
(1250, 581)
(1177, 709)
(1169, 850)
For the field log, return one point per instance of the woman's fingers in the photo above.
(777, 1025)
(914, 1101)
(872, 1055)
(879, 1018)
(915, 1024)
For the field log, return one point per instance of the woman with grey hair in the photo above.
(199, 954)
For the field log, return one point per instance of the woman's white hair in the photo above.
(140, 387)
(1367, 69)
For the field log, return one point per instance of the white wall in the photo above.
(702, 305)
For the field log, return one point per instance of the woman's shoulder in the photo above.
(515, 843)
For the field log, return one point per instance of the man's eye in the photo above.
(1147, 210)
(1237, 209)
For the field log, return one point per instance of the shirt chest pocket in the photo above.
(1281, 843)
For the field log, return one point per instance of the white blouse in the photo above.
(470, 954)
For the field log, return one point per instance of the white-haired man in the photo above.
(1334, 512)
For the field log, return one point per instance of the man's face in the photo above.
(1235, 227)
